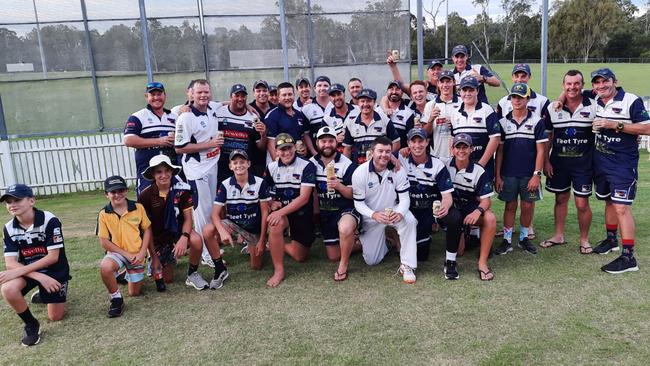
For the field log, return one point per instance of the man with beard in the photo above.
(362, 130)
(339, 113)
(239, 130)
(437, 115)
(338, 218)
(433, 72)
(376, 187)
(462, 69)
(285, 118)
(316, 110)
(429, 181)
(150, 131)
(401, 115)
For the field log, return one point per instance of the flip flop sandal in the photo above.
(341, 276)
(550, 243)
(531, 236)
(485, 276)
(586, 249)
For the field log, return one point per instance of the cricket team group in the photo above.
(370, 174)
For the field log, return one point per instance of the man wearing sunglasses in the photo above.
(150, 131)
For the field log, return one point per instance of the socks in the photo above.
(218, 266)
(28, 318)
(628, 247)
(192, 268)
(116, 295)
(507, 234)
(451, 256)
(523, 233)
(611, 231)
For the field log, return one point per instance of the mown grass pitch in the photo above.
(556, 308)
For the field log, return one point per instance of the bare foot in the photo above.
(276, 279)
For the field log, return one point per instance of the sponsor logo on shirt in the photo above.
(29, 252)
(478, 119)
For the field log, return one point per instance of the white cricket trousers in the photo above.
(206, 191)
(373, 240)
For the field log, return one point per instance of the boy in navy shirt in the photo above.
(34, 256)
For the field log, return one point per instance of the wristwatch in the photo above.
(537, 173)
(620, 126)
(481, 210)
(186, 235)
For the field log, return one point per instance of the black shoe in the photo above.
(624, 263)
(31, 335)
(606, 246)
(504, 249)
(36, 298)
(527, 245)
(450, 270)
(160, 285)
(116, 308)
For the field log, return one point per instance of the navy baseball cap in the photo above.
(336, 87)
(273, 88)
(154, 86)
(394, 82)
(367, 93)
(462, 138)
(238, 88)
(325, 131)
(18, 191)
(446, 74)
(459, 49)
(114, 183)
(604, 72)
(416, 132)
(302, 80)
(469, 82)
(520, 89)
(434, 63)
(236, 153)
(323, 78)
(260, 82)
(521, 68)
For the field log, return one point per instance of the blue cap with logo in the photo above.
(416, 132)
(336, 87)
(603, 72)
(323, 78)
(469, 82)
(459, 49)
(18, 191)
(521, 68)
(154, 86)
(446, 74)
(434, 63)
(462, 138)
(238, 88)
(367, 93)
(520, 89)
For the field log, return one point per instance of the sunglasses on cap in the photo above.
(286, 140)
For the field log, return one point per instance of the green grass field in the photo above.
(69, 104)
(552, 309)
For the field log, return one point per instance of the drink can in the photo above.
(219, 134)
(395, 54)
(436, 206)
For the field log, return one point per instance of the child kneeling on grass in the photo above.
(34, 256)
(120, 226)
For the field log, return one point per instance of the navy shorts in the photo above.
(423, 229)
(46, 297)
(567, 177)
(619, 185)
(517, 187)
(329, 223)
(301, 227)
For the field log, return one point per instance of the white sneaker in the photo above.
(207, 262)
(408, 273)
(195, 280)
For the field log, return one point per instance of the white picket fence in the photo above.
(54, 165)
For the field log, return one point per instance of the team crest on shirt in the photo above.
(510, 128)
(171, 120)
(477, 119)
(250, 192)
(400, 117)
(149, 120)
(378, 129)
(529, 127)
(571, 131)
(370, 184)
(203, 124)
(620, 193)
(585, 114)
(532, 108)
(296, 176)
(560, 115)
(617, 110)
(390, 179)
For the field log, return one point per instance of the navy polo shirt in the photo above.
(428, 180)
(360, 137)
(146, 124)
(343, 168)
(284, 181)
(481, 125)
(519, 142)
(573, 139)
(243, 203)
(470, 186)
(278, 121)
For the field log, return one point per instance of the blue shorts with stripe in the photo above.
(329, 222)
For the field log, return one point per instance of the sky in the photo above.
(468, 11)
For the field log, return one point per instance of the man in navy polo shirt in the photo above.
(361, 131)
(620, 118)
(462, 69)
(570, 164)
(291, 181)
(284, 118)
(34, 257)
(478, 120)
(429, 181)
(520, 160)
(338, 218)
(150, 131)
(317, 109)
(239, 130)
